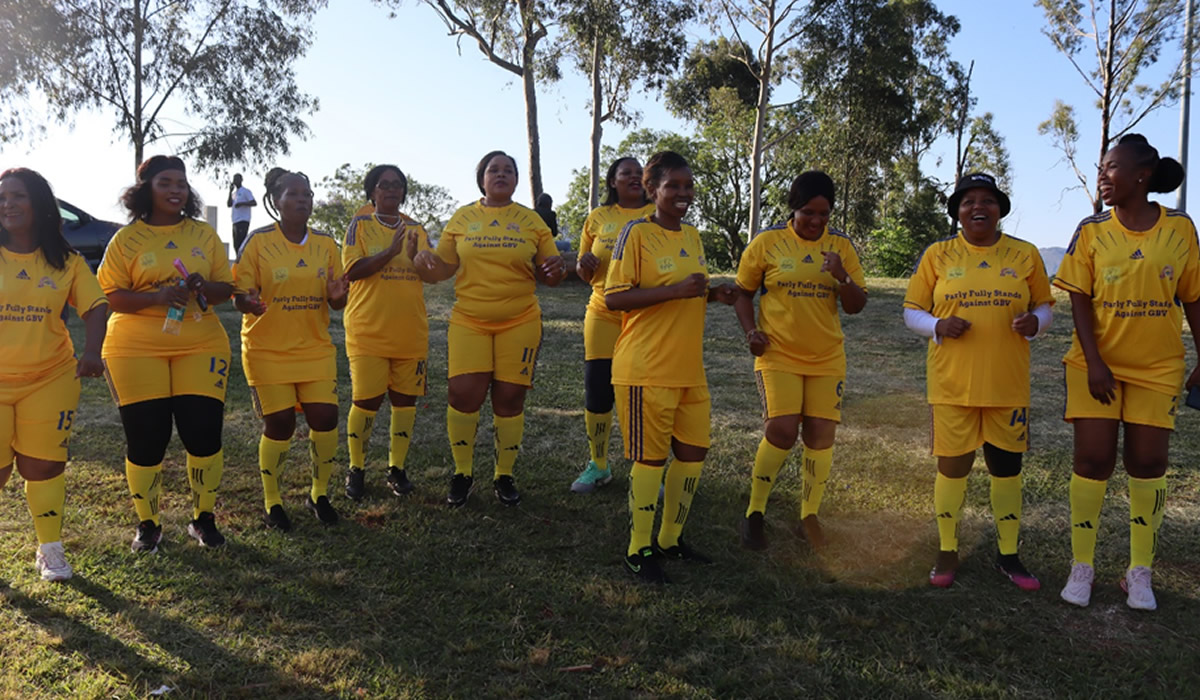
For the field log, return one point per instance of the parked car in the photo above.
(86, 233)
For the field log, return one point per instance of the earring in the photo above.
(1139, 179)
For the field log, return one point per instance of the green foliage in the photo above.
(218, 61)
(912, 218)
(712, 65)
(431, 205)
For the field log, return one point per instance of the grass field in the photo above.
(408, 598)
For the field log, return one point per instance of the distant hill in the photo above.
(1053, 258)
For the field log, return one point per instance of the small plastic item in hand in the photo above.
(200, 300)
(173, 324)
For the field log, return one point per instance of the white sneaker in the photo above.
(1078, 590)
(52, 562)
(1137, 585)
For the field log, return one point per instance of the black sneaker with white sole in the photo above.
(460, 489)
(398, 481)
(277, 519)
(506, 491)
(147, 538)
(204, 530)
(323, 509)
(644, 566)
(356, 487)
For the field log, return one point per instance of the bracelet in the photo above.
(752, 330)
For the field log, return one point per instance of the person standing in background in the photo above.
(241, 199)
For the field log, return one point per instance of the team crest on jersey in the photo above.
(1008, 272)
(513, 227)
(197, 253)
(22, 275)
(474, 227)
(47, 282)
(495, 222)
(320, 273)
(955, 273)
(609, 228)
(1168, 273)
(1137, 255)
(301, 263)
(983, 265)
(374, 250)
(1111, 274)
(787, 264)
(148, 260)
(279, 274)
(171, 245)
(807, 259)
(666, 264)
(700, 260)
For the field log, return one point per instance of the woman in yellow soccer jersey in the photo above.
(1127, 270)
(387, 332)
(499, 250)
(39, 373)
(657, 276)
(625, 202)
(288, 277)
(167, 356)
(980, 296)
(804, 269)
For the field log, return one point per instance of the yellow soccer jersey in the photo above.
(292, 337)
(495, 249)
(1134, 279)
(988, 286)
(660, 345)
(141, 258)
(798, 309)
(600, 233)
(385, 315)
(33, 338)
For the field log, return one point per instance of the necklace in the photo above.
(394, 224)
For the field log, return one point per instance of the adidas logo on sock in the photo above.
(1139, 520)
(460, 443)
(764, 477)
(400, 434)
(49, 514)
(947, 514)
(1010, 516)
(1085, 525)
(647, 509)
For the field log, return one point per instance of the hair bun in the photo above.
(1133, 138)
(1167, 176)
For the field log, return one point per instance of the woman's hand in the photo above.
(89, 365)
(336, 288)
(172, 295)
(758, 342)
(725, 293)
(1026, 324)
(1101, 383)
(552, 270)
(696, 285)
(250, 303)
(952, 327)
(589, 262)
(195, 283)
(411, 239)
(399, 239)
(426, 259)
(833, 265)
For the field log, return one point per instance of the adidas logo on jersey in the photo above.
(683, 253)
(22, 275)
(984, 265)
(1137, 255)
(301, 263)
(171, 245)
(495, 222)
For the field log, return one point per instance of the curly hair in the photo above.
(138, 200)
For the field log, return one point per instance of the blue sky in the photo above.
(397, 90)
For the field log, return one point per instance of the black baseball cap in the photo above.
(973, 181)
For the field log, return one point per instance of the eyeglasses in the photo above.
(389, 185)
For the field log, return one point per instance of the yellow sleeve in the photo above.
(114, 269)
(334, 260)
(750, 269)
(624, 271)
(920, 285)
(852, 264)
(1039, 283)
(245, 270)
(354, 248)
(85, 293)
(447, 248)
(1076, 273)
(1188, 289)
(588, 236)
(546, 247)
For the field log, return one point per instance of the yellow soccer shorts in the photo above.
(371, 376)
(651, 415)
(273, 398)
(600, 333)
(510, 355)
(787, 394)
(36, 417)
(1133, 403)
(960, 430)
(135, 379)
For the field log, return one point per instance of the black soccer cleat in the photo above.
(681, 552)
(147, 538)
(753, 532)
(644, 567)
(460, 489)
(277, 519)
(355, 486)
(398, 481)
(204, 530)
(323, 509)
(506, 491)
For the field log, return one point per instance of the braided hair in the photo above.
(273, 185)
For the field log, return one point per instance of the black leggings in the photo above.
(148, 427)
(598, 394)
(1001, 463)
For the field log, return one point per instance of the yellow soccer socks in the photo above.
(403, 419)
(644, 481)
(599, 426)
(145, 484)
(1147, 503)
(948, 497)
(817, 465)
(358, 431)
(1087, 498)
(680, 487)
(272, 458)
(1006, 511)
(767, 462)
(508, 430)
(46, 500)
(322, 448)
(204, 476)
(460, 428)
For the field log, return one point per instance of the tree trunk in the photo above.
(597, 124)
(531, 114)
(760, 123)
(1106, 100)
(136, 130)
